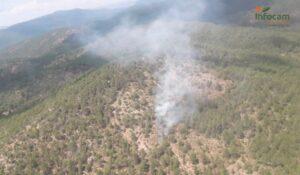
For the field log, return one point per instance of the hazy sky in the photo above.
(15, 11)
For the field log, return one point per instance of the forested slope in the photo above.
(104, 121)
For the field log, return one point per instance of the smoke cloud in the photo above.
(167, 37)
(175, 95)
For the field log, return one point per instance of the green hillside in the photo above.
(34, 69)
(103, 122)
(261, 114)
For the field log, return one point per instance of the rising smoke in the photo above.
(175, 95)
(169, 37)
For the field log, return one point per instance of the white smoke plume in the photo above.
(167, 37)
(175, 95)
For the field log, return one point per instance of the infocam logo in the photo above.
(263, 14)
